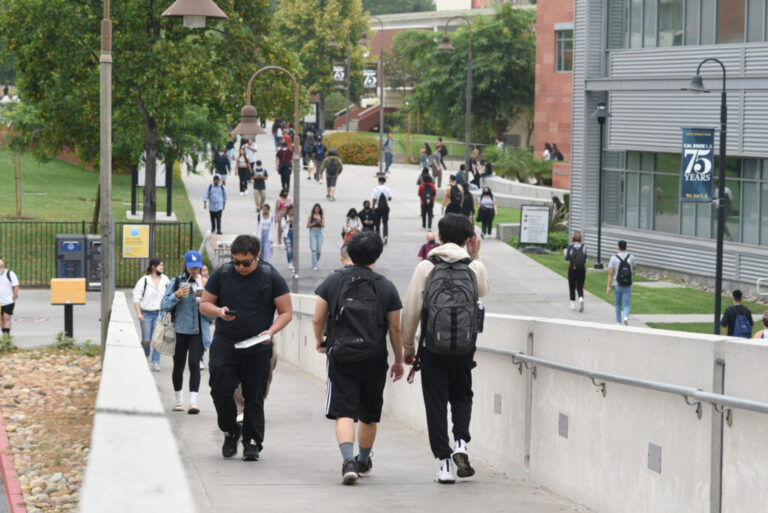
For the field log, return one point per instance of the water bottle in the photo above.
(480, 316)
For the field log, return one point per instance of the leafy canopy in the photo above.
(397, 6)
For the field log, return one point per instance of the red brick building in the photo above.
(554, 65)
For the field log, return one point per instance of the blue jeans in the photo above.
(277, 140)
(266, 246)
(387, 160)
(288, 238)
(147, 328)
(315, 244)
(205, 324)
(622, 300)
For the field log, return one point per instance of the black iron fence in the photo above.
(29, 249)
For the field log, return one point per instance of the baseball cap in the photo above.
(192, 259)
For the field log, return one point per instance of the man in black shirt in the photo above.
(355, 385)
(242, 297)
(737, 319)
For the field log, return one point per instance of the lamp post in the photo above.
(446, 46)
(249, 125)
(333, 45)
(601, 114)
(365, 42)
(194, 13)
(696, 85)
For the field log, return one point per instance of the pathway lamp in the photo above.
(194, 12)
(601, 114)
(334, 45)
(446, 46)
(365, 42)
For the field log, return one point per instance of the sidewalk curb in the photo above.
(8, 471)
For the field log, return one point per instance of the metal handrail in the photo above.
(716, 400)
(760, 281)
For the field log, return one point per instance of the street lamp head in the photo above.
(446, 45)
(194, 12)
(601, 113)
(249, 122)
(364, 41)
(333, 44)
(696, 85)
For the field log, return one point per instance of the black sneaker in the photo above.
(364, 468)
(251, 450)
(349, 472)
(229, 448)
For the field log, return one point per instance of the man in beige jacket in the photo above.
(445, 378)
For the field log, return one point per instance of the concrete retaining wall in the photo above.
(603, 459)
(134, 465)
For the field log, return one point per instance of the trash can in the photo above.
(70, 255)
(93, 262)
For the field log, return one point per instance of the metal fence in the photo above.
(29, 249)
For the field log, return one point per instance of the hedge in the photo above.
(353, 148)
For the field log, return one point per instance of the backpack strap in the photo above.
(145, 288)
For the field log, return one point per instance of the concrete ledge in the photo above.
(506, 230)
(134, 465)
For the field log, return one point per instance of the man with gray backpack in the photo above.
(443, 298)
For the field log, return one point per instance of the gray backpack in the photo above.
(449, 316)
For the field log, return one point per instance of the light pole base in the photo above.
(599, 265)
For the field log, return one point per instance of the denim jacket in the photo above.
(186, 313)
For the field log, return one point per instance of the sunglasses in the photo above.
(243, 263)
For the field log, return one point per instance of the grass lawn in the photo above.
(505, 215)
(697, 327)
(454, 147)
(647, 300)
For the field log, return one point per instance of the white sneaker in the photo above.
(156, 366)
(445, 475)
(193, 409)
(202, 366)
(581, 304)
(573, 305)
(240, 417)
(461, 459)
(178, 406)
(320, 181)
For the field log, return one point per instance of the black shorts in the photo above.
(8, 309)
(331, 180)
(356, 390)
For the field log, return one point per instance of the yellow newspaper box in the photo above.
(68, 292)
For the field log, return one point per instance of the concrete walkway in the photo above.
(300, 467)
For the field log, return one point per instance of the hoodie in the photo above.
(414, 299)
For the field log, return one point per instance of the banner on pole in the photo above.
(370, 79)
(697, 165)
(339, 75)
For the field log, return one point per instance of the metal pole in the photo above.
(346, 107)
(105, 173)
(168, 190)
(381, 95)
(68, 321)
(297, 181)
(720, 211)
(468, 121)
(599, 264)
(134, 186)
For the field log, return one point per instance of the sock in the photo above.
(364, 454)
(179, 396)
(193, 397)
(347, 450)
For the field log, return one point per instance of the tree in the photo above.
(396, 6)
(306, 27)
(503, 71)
(164, 75)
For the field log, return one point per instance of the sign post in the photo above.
(370, 79)
(339, 75)
(697, 165)
(534, 225)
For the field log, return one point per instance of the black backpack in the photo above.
(382, 205)
(624, 273)
(443, 151)
(357, 328)
(333, 166)
(578, 258)
(428, 196)
(456, 196)
(449, 315)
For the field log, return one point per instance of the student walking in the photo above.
(737, 319)
(468, 203)
(427, 247)
(286, 226)
(221, 164)
(332, 166)
(320, 154)
(9, 294)
(147, 295)
(352, 225)
(427, 193)
(442, 152)
(265, 232)
(259, 186)
(182, 297)
(281, 207)
(576, 255)
(367, 217)
(449, 329)
(389, 150)
(316, 224)
(244, 170)
(358, 307)
(215, 199)
(381, 197)
(283, 159)
(453, 197)
(762, 333)
(243, 297)
(486, 212)
(620, 269)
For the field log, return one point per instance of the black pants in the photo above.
(229, 368)
(381, 217)
(426, 215)
(446, 379)
(215, 221)
(189, 348)
(576, 282)
(285, 176)
(244, 175)
(486, 216)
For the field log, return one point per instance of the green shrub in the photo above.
(6, 343)
(63, 342)
(557, 241)
(354, 148)
(518, 163)
(89, 349)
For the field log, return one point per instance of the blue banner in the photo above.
(697, 165)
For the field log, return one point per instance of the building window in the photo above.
(564, 50)
(642, 191)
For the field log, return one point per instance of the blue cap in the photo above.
(192, 259)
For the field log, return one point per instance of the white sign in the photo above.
(534, 224)
(159, 174)
(311, 116)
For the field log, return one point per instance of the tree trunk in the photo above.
(321, 112)
(150, 166)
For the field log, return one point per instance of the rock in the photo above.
(55, 478)
(38, 483)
